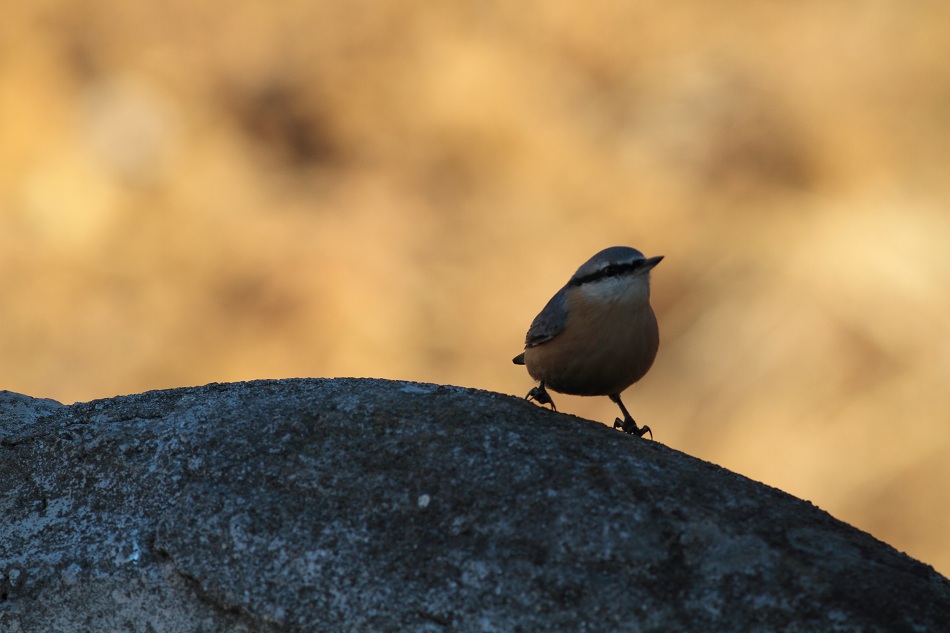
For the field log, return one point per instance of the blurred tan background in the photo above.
(208, 191)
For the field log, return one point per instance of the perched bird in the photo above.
(598, 334)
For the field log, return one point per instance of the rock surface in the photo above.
(370, 505)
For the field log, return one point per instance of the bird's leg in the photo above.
(540, 394)
(627, 425)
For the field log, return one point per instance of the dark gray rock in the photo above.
(369, 505)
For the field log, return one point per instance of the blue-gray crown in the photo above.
(613, 261)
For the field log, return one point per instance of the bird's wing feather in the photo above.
(550, 322)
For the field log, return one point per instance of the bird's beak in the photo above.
(648, 264)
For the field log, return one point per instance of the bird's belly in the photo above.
(597, 355)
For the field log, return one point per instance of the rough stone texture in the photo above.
(369, 505)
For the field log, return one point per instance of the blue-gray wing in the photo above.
(550, 322)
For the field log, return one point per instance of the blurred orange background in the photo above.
(196, 192)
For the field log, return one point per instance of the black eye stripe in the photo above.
(614, 270)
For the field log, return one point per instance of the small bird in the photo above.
(598, 334)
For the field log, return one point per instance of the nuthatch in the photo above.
(598, 334)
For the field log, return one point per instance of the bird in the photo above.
(598, 334)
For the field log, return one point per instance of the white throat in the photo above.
(631, 289)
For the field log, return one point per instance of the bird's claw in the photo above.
(540, 395)
(630, 427)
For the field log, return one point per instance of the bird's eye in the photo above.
(610, 270)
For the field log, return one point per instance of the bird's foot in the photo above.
(629, 426)
(540, 395)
